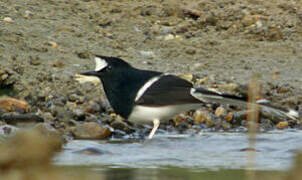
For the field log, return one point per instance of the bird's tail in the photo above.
(224, 98)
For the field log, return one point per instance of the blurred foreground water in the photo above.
(208, 154)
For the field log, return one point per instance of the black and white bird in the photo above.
(143, 96)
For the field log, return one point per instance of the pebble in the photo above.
(203, 117)
(147, 54)
(6, 130)
(120, 125)
(282, 125)
(232, 87)
(190, 51)
(90, 130)
(53, 44)
(47, 130)
(187, 76)
(202, 81)
(83, 54)
(92, 107)
(220, 111)
(8, 19)
(34, 60)
(9, 104)
(27, 14)
(78, 114)
(76, 98)
(92, 151)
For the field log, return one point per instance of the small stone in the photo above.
(229, 117)
(169, 37)
(8, 104)
(259, 24)
(7, 130)
(121, 125)
(232, 87)
(282, 125)
(78, 114)
(248, 20)
(27, 14)
(58, 63)
(83, 55)
(147, 54)
(76, 98)
(202, 80)
(47, 130)
(48, 117)
(203, 117)
(53, 44)
(188, 76)
(8, 19)
(92, 107)
(191, 51)
(34, 60)
(92, 151)
(220, 111)
(91, 130)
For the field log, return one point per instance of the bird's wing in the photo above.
(167, 90)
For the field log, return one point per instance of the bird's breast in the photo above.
(146, 114)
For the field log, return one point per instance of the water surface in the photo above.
(207, 150)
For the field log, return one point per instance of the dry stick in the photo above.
(252, 118)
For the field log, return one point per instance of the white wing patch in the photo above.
(146, 86)
(100, 64)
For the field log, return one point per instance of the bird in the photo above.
(145, 97)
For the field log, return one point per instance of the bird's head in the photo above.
(105, 65)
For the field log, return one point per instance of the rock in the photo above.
(232, 87)
(191, 51)
(188, 76)
(282, 125)
(58, 63)
(78, 114)
(83, 54)
(21, 119)
(9, 104)
(8, 19)
(7, 130)
(90, 130)
(248, 20)
(202, 81)
(203, 117)
(34, 60)
(120, 125)
(76, 98)
(47, 130)
(53, 44)
(147, 54)
(92, 151)
(220, 111)
(92, 107)
(27, 14)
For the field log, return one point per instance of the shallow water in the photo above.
(207, 150)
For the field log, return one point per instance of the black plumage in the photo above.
(134, 93)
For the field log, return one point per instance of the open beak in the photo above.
(89, 73)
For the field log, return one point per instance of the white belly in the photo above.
(146, 115)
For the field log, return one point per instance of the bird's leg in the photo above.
(156, 123)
